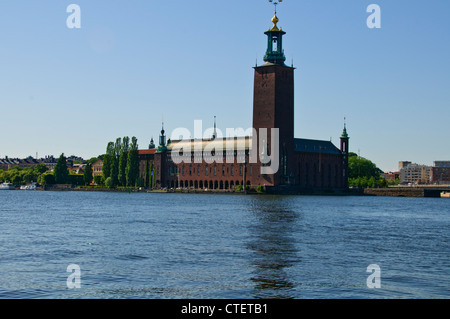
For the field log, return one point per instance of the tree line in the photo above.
(121, 163)
(43, 176)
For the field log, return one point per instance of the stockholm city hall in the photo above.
(304, 165)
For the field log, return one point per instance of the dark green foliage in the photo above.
(61, 173)
(109, 182)
(46, 179)
(99, 180)
(76, 179)
(107, 160)
(132, 169)
(88, 174)
(123, 158)
(364, 173)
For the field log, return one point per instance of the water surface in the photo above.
(222, 246)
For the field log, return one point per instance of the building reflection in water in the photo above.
(273, 246)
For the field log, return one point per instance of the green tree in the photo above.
(76, 179)
(98, 179)
(29, 176)
(88, 174)
(40, 169)
(16, 179)
(46, 179)
(61, 173)
(107, 160)
(114, 172)
(109, 182)
(123, 158)
(115, 161)
(132, 169)
(360, 167)
(364, 173)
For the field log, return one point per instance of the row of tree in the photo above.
(41, 174)
(121, 163)
(23, 176)
(364, 173)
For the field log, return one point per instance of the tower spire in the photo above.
(344, 132)
(162, 141)
(275, 3)
(275, 52)
(215, 131)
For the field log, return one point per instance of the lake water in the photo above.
(222, 246)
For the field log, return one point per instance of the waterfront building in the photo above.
(226, 163)
(7, 163)
(402, 164)
(392, 176)
(97, 168)
(440, 172)
(415, 174)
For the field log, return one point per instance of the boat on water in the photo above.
(6, 186)
(445, 194)
(29, 187)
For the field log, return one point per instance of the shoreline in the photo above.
(284, 192)
(418, 192)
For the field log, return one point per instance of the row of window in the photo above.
(208, 170)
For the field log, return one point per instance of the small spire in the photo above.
(152, 144)
(275, 19)
(215, 131)
(344, 133)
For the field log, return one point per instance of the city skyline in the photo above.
(73, 90)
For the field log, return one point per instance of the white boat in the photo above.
(29, 187)
(6, 186)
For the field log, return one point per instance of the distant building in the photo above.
(440, 172)
(415, 174)
(50, 162)
(7, 163)
(441, 164)
(77, 168)
(97, 168)
(392, 176)
(402, 164)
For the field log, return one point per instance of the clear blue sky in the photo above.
(73, 90)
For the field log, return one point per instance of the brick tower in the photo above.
(273, 103)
